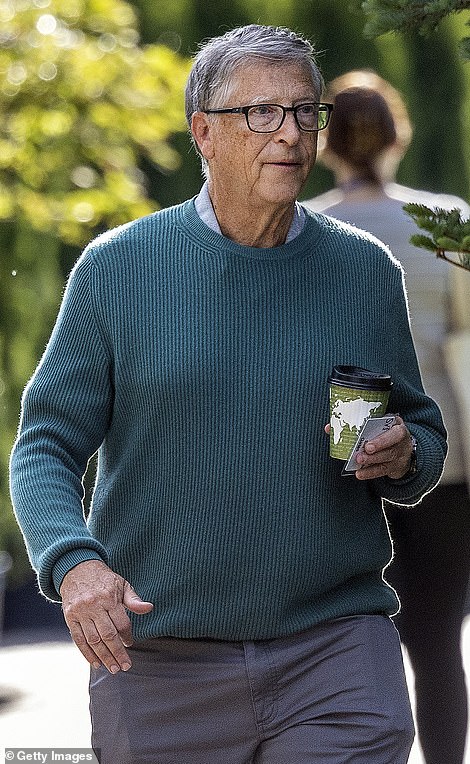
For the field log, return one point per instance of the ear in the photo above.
(201, 129)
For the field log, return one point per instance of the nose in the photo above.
(289, 132)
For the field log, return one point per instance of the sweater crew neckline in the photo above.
(206, 238)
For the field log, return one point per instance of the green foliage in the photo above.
(80, 103)
(30, 287)
(83, 104)
(436, 157)
(406, 15)
(449, 232)
(465, 46)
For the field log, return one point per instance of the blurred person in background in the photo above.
(368, 134)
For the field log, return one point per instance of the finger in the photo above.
(98, 637)
(385, 456)
(107, 651)
(383, 464)
(396, 434)
(107, 658)
(104, 638)
(374, 471)
(100, 643)
(122, 624)
(86, 650)
(133, 602)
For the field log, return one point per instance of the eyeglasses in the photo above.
(268, 117)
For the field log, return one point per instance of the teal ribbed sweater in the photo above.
(199, 369)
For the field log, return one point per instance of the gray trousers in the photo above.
(335, 694)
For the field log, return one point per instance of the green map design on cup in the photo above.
(355, 395)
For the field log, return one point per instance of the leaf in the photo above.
(80, 91)
(417, 209)
(445, 242)
(418, 240)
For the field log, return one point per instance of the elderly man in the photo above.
(193, 349)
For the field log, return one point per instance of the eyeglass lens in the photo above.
(268, 117)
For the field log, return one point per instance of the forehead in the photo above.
(263, 81)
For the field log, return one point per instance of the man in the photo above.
(193, 348)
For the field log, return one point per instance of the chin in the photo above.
(284, 189)
(282, 196)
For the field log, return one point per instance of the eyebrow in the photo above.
(302, 99)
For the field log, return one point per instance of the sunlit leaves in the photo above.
(448, 232)
(81, 102)
(404, 15)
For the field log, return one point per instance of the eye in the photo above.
(307, 109)
(262, 110)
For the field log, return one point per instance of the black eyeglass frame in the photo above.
(294, 109)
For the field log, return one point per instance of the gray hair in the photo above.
(211, 78)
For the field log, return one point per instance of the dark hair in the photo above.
(369, 117)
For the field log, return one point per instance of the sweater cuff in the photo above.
(411, 488)
(69, 561)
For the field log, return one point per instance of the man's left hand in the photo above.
(388, 455)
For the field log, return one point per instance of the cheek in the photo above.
(311, 148)
(245, 156)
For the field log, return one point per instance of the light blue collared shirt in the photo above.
(206, 212)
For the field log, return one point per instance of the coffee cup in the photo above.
(355, 395)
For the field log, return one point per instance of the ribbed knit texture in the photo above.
(200, 367)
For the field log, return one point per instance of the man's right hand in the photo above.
(94, 603)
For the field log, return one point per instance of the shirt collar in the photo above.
(206, 212)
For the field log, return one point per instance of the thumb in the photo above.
(132, 601)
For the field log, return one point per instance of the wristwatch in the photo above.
(413, 458)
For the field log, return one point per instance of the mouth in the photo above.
(285, 164)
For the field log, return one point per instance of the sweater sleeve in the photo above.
(421, 413)
(66, 408)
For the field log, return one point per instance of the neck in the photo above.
(360, 184)
(254, 227)
(357, 187)
(348, 178)
(352, 183)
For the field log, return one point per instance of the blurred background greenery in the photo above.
(92, 134)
